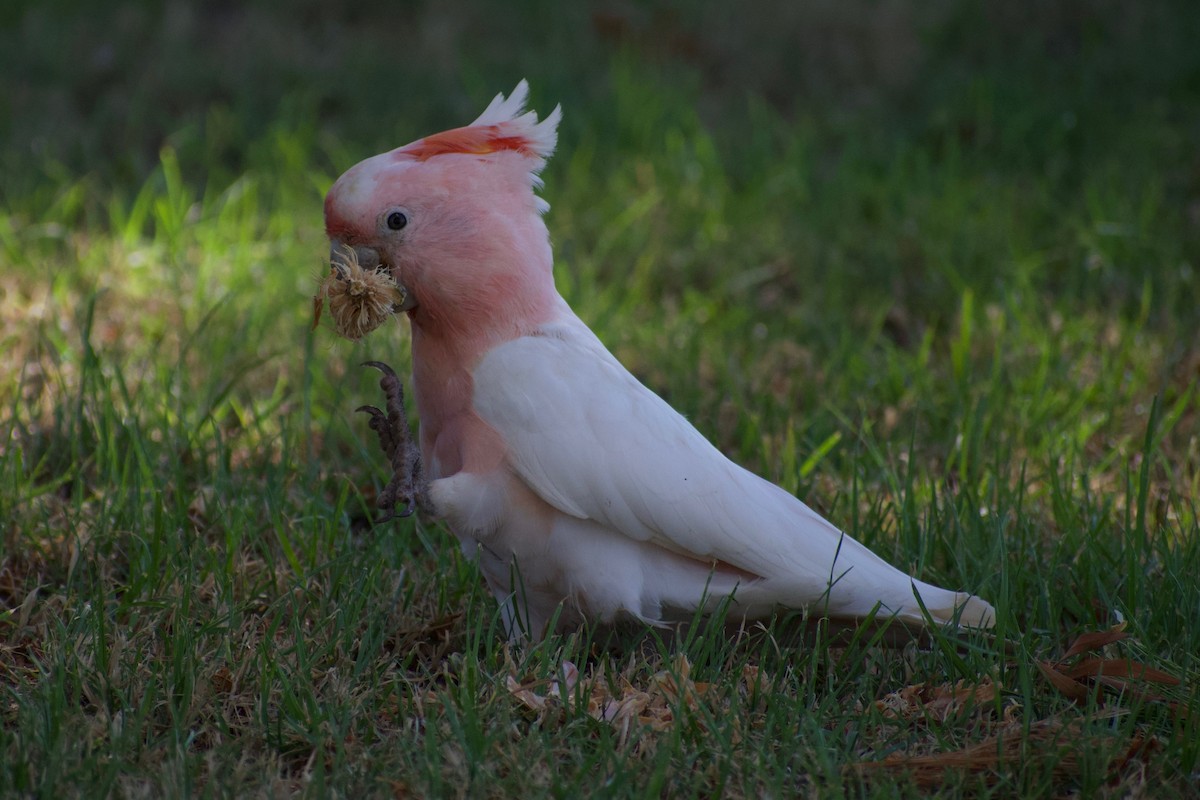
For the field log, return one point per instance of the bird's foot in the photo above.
(407, 486)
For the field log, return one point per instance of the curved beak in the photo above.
(369, 258)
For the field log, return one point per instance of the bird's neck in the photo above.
(445, 352)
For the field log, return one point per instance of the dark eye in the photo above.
(396, 221)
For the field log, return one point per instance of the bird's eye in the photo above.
(396, 220)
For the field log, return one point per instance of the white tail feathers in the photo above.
(945, 606)
(974, 612)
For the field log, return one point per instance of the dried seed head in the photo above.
(360, 300)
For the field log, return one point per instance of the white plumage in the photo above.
(648, 519)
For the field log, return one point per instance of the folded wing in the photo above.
(595, 443)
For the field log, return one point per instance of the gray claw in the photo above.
(390, 514)
(386, 433)
(382, 367)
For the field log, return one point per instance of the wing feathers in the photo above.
(594, 443)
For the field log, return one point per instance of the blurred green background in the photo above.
(1060, 108)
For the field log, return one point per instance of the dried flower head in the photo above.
(360, 300)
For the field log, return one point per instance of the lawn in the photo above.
(933, 267)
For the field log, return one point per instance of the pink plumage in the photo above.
(581, 493)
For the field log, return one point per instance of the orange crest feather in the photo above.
(475, 140)
(503, 125)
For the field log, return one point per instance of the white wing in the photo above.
(595, 443)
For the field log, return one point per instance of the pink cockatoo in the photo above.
(582, 494)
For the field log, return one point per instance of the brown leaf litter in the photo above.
(1079, 673)
(1088, 674)
(653, 707)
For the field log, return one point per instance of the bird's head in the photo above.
(454, 216)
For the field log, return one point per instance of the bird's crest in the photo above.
(503, 126)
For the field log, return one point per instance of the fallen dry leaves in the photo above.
(1053, 739)
(1062, 745)
(1079, 672)
(937, 702)
(653, 707)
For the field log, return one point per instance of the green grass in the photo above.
(944, 288)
